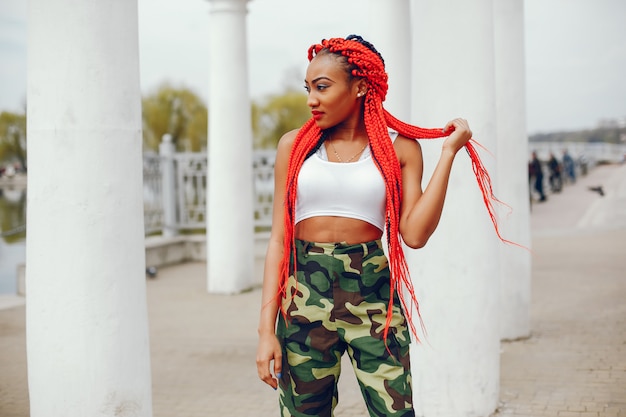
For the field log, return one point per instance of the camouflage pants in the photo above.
(339, 303)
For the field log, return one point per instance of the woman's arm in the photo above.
(421, 211)
(269, 348)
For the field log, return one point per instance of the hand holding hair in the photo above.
(459, 134)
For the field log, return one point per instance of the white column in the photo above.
(512, 162)
(390, 28)
(87, 330)
(230, 227)
(456, 369)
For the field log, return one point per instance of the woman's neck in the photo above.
(349, 133)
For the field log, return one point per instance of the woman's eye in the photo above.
(307, 89)
(322, 87)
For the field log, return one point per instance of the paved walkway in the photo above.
(574, 364)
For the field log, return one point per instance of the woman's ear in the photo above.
(361, 87)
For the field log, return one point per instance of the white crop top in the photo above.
(355, 189)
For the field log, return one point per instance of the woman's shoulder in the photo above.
(288, 138)
(402, 141)
(397, 137)
(285, 143)
(406, 148)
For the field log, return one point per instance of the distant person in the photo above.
(556, 181)
(569, 166)
(583, 163)
(536, 173)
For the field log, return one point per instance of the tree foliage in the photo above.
(178, 112)
(13, 138)
(13, 215)
(276, 115)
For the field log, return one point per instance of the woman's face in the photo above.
(331, 97)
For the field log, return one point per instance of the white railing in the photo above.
(590, 152)
(175, 184)
(175, 190)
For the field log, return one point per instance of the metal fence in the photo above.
(175, 184)
(592, 153)
(175, 191)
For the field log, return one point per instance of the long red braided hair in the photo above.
(362, 60)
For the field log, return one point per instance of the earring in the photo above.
(359, 95)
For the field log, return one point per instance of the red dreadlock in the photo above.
(365, 62)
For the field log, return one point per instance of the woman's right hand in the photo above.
(269, 351)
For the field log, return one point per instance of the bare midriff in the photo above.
(329, 229)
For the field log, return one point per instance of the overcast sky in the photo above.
(575, 51)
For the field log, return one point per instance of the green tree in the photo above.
(178, 112)
(13, 138)
(276, 115)
(13, 215)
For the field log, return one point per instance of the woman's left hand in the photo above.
(460, 135)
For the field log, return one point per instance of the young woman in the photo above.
(350, 173)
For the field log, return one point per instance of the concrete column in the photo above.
(230, 227)
(87, 330)
(456, 368)
(168, 184)
(512, 162)
(390, 28)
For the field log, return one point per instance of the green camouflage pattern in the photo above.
(339, 303)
